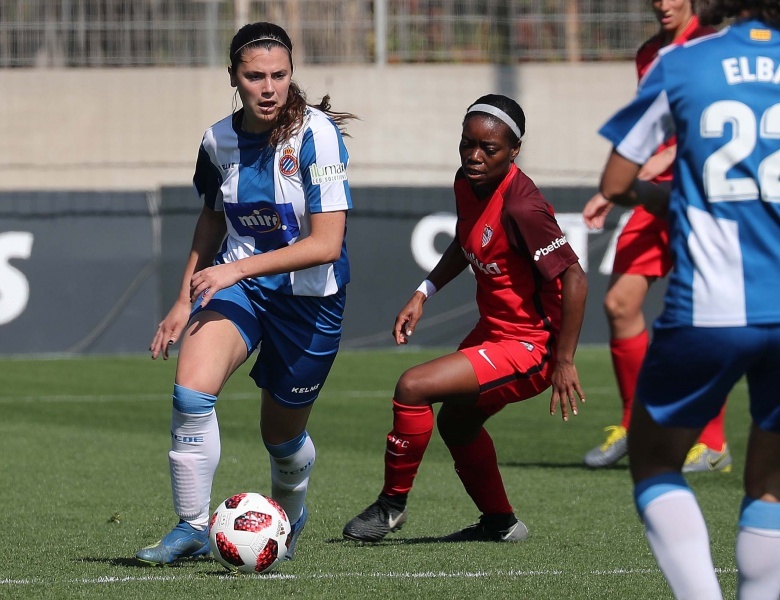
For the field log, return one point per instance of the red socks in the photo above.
(406, 444)
(476, 463)
(627, 357)
(713, 435)
(477, 466)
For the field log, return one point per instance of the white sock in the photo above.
(194, 456)
(758, 550)
(678, 537)
(290, 477)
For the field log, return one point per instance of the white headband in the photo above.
(263, 39)
(499, 114)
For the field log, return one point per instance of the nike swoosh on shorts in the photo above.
(483, 353)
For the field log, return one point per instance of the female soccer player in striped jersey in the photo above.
(531, 297)
(641, 257)
(721, 320)
(272, 178)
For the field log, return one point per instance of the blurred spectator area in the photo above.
(197, 33)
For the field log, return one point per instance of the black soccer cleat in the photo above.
(375, 522)
(485, 531)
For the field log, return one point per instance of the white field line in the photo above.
(37, 581)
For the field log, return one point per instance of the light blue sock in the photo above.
(291, 465)
(194, 454)
(677, 535)
(758, 550)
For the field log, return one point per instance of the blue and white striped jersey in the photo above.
(268, 194)
(721, 95)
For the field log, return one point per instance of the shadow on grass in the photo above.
(391, 542)
(125, 561)
(576, 466)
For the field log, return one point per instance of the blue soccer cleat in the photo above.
(297, 528)
(183, 541)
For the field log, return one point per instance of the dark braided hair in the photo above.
(268, 35)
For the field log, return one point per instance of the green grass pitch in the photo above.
(85, 483)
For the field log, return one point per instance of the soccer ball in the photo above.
(249, 532)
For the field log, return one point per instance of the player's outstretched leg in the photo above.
(193, 458)
(183, 541)
(406, 444)
(384, 516)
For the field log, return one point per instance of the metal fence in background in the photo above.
(147, 33)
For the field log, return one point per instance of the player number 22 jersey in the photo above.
(724, 214)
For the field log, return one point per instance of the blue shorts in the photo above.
(298, 337)
(689, 371)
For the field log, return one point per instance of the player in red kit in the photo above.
(531, 296)
(641, 257)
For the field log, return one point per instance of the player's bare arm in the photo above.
(566, 388)
(209, 231)
(657, 164)
(321, 247)
(450, 265)
(620, 185)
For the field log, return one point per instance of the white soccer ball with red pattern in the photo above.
(249, 532)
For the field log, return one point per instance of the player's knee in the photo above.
(190, 401)
(614, 307)
(621, 310)
(411, 390)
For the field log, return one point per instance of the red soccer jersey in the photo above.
(517, 252)
(648, 52)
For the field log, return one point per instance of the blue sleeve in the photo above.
(637, 130)
(324, 161)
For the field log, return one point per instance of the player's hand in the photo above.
(658, 164)
(566, 390)
(169, 329)
(209, 281)
(595, 211)
(407, 319)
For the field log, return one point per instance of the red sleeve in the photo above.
(532, 231)
(646, 54)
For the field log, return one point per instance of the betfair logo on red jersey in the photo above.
(561, 241)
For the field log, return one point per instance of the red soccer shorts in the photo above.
(508, 371)
(643, 246)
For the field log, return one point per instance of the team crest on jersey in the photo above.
(288, 164)
(761, 35)
(487, 234)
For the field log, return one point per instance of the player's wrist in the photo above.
(427, 289)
